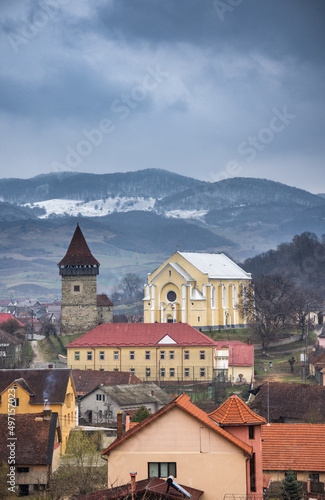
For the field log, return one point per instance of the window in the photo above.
(202, 372)
(77, 355)
(171, 354)
(314, 476)
(186, 372)
(132, 370)
(101, 355)
(161, 469)
(186, 354)
(132, 355)
(171, 296)
(22, 469)
(147, 355)
(14, 401)
(172, 372)
(89, 355)
(116, 355)
(202, 354)
(251, 432)
(162, 372)
(252, 472)
(198, 319)
(100, 397)
(162, 354)
(148, 372)
(76, 288)
(169, 273)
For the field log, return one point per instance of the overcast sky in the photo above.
(205, 88)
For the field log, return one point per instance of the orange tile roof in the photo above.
(182, 402)
(235, 412)
(296, 446)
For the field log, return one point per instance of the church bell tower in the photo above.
(78, 270)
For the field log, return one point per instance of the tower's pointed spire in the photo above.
(78, 253)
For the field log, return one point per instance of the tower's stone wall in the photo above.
(79, 304)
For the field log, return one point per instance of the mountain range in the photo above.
(133, 221)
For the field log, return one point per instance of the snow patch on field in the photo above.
(94, 208)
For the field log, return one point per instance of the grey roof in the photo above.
(215, 265)
(135, 394)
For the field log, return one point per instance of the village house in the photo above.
(160, 352)
(299, 447)
(87, 380)
(11, 350)
(104, 402)
(34, 450)
(182, 441)
(201, 289)
(235, 361)
(316, 363)
(30, 391)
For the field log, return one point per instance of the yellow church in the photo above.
(201, 289)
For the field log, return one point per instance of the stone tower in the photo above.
(78, 269)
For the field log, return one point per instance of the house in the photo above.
(31, 448)
(105, 309)
(201, 289)
(238, 419)
(235, 361)
(11, 350)
(104, 402)
(160, 352)
(299, 447)
(290, 403)
(321, 338)
(316, 363)
(29, 391)
(87, 380)
(78, 269)
(4, 317)
(183, 441)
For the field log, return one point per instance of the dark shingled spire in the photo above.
(78, 253)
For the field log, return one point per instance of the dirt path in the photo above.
(38, 361)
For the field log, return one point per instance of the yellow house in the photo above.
(160, 352)
(181, 440)
(32, 391)
(201, 289)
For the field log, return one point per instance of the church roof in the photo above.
(235, 412)
(78, 253)
(215, 265)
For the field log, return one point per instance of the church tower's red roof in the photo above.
(235, 412)
(78, 253)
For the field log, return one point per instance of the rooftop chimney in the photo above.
(119, 429)
(47, 412)
(133, 482)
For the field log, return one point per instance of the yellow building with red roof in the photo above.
(165, 352)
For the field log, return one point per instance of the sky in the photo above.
(211, 89)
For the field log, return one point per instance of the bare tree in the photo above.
(131, 284)
(267, 306)
(305, 302)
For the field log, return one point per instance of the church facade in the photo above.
(201, 289)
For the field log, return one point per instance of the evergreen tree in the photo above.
(290, 487)
(141, 414)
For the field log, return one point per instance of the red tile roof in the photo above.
(34, 441)
(142, 334)
(240, 354)
(156, 486)
(104, 301)
(87, 380)
(235, 412)
(296, 446)
(6, 317)
(182, 402)
(78, 253)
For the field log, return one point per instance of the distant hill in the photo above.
(135, 220)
